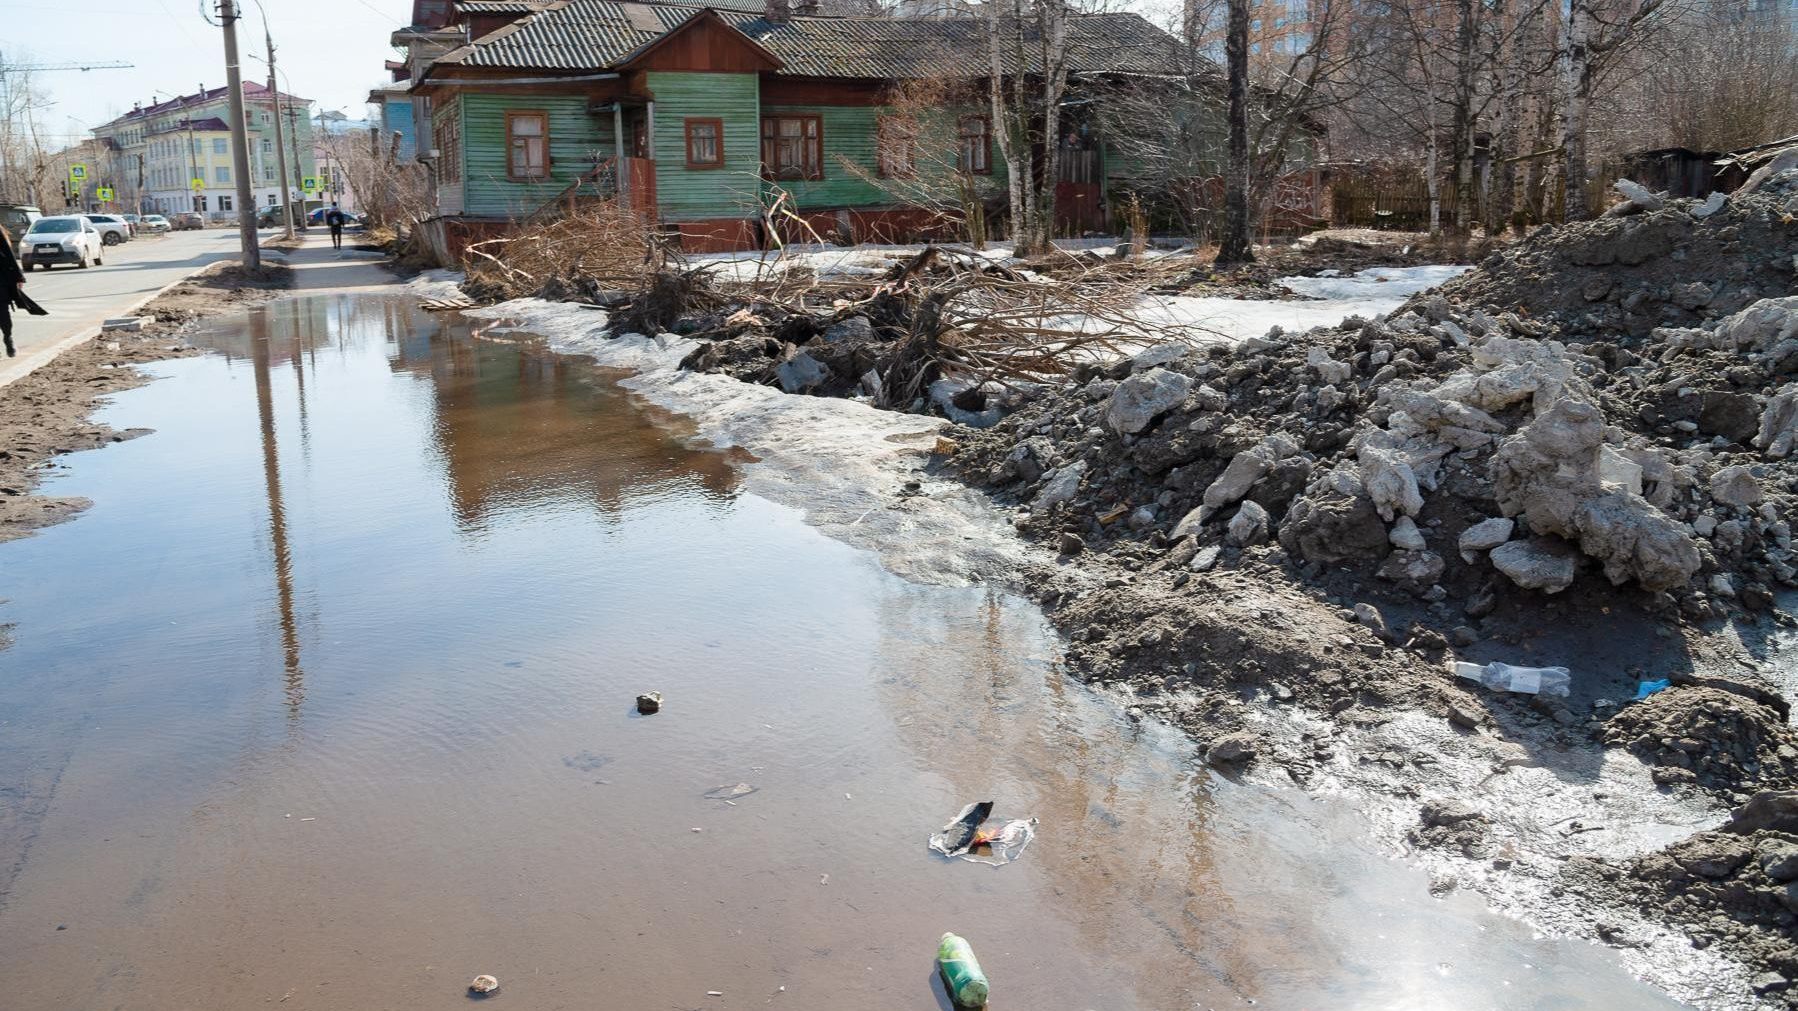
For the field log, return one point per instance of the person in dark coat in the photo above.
(12, 291)
(334, 218)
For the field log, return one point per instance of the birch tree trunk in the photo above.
(1576, 101)
(1014, 178)
(1235, 246)
(1465, 62)
(1508, 87)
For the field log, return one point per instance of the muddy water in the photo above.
(327, 704)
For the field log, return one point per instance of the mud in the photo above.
(1578, 455)
(45, 415)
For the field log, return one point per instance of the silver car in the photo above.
(113, 229)
(65, 238)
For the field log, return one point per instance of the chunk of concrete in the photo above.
(1486, 534)
(801, 373)
(1248, 526)
(1330, 372)
(1779, 424)
(1061, 486)
(1640, 195)
(1405, 535)
(1143, 397)
(1735, 486)
(1535, 564)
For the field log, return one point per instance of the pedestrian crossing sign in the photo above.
(105, 194)
(199, 184)
(77, 173)
(310, 184)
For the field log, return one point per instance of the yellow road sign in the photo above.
(105, 194)
(199, 184)
(309, 183)
(77, 173)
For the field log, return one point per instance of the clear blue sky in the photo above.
(328, 50)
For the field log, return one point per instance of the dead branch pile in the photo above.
(944, 327)
(601, 248)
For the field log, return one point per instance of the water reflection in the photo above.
(282, 552)
(475, 554)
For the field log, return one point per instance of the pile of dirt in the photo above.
(1736, 888)
(1710, 736)
(1649, 263)
(1447, 460)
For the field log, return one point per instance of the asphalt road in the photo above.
(79, 299)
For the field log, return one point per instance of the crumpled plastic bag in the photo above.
(974, 835)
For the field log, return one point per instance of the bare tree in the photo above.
(1716, 80)
(1235, 245)
(1027, 46)
(1594, 35)
(393, 194)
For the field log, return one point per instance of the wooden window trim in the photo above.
(962, 137)
(888, 131)
(717, 126)
(514, 114)
(814, 173)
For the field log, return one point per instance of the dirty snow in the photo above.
(839, 461)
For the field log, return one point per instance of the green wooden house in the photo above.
(701, 116)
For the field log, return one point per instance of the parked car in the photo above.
(113, 229)
(319, 217)
(155, 224)
(269, 217)
(65, 238)
(187, 221)
(16, 219)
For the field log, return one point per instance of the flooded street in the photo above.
(327, 704)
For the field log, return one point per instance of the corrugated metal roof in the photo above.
(589, 35)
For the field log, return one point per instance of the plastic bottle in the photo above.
(961, 971)
(1523, 680)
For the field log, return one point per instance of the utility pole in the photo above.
(240, 140)
(299, 165)
(280, 134)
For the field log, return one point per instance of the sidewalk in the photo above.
(318, 267)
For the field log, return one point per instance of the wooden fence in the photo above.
(1401, 205)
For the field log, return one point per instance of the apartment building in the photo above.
(175, 155)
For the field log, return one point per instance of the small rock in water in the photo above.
(484, 984)
(649, 702)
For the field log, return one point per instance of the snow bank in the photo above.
(840, 462)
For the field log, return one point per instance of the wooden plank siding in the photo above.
(713, 193)
(578, 140)
(848, 136)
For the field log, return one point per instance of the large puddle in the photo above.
(327, 704)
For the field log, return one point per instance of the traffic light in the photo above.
(72, 196)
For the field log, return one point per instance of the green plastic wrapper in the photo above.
(961, 971)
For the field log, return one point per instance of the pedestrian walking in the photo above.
(334, 218)
(12, 292)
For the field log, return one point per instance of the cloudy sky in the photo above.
(329, 51)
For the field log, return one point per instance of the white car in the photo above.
(155, 224)
(113, 229)
(65, 238)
